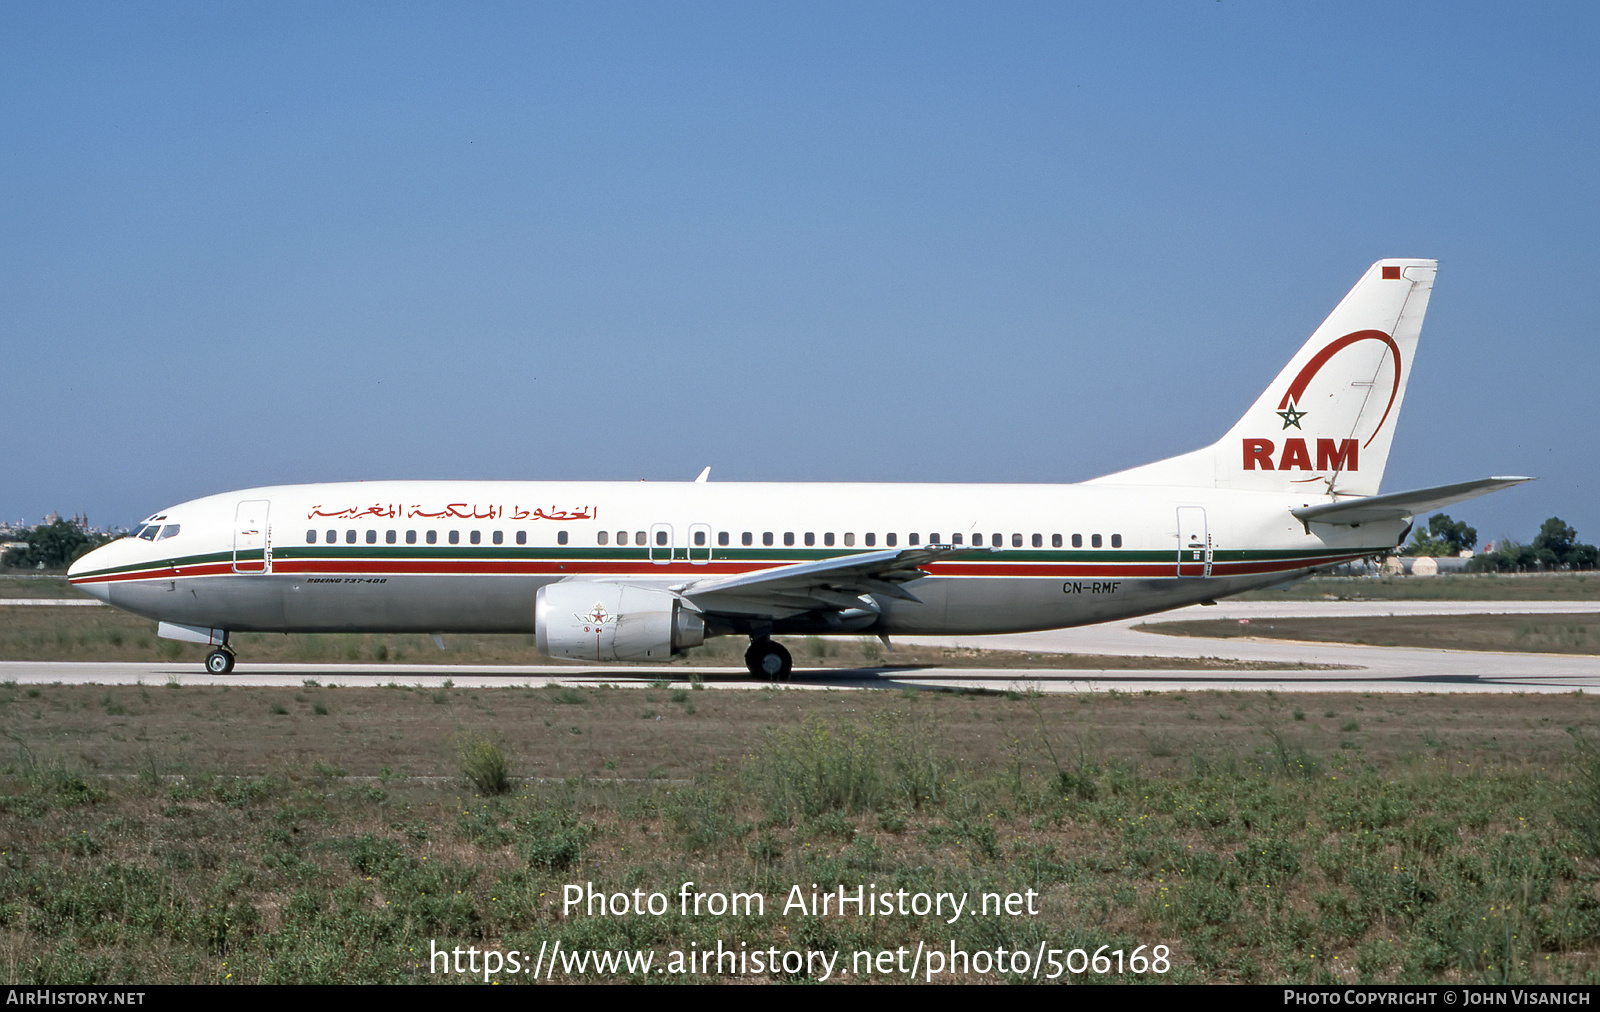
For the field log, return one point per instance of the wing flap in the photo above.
(836, 583)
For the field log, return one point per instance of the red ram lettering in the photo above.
(1258, 453)
(1295, 455)
(1342, 459)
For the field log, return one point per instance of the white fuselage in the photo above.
(443, 556)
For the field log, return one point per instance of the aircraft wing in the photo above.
(836, 583)
(1399, 505)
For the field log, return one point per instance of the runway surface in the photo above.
(1375, 668)
(1361, 668)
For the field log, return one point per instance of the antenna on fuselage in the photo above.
(704, 475)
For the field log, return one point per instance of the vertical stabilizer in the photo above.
(1325, 424)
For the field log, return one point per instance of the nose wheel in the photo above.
(219, 661)
(768, 660)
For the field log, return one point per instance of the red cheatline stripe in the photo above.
(159, 573)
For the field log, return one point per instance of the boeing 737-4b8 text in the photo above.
(602, 571)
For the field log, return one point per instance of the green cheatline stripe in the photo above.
(505, 553)
(183, 560)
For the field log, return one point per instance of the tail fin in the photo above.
(1325, 424)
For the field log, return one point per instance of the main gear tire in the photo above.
(768, 661)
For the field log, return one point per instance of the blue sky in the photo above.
(909, 242)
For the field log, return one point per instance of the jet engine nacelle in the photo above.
(613, 622)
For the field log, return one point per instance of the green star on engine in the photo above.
(1291, 416)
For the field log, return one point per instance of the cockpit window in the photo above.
(148, 532)
(169, 531)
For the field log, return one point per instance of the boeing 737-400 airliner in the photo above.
(613, 571)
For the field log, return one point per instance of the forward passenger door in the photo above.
(251, 551)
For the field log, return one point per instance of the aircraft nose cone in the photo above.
(87, 564)
(100, 590)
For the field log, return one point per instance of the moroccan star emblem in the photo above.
(1291, 416)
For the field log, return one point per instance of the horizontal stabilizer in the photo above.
(1399, 505)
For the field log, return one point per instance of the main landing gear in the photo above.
(768, 660)
(219, 661)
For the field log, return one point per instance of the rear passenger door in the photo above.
(1194, 542)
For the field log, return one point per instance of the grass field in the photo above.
(1559, 634)
(36, 587)
(155, 833)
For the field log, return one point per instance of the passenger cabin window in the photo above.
(455, 537)
(388, 537)
(811, 539)
(872, 539)
(333, 536)
(747, 539)
(311, 537)
(722, 538)
(955, 539)
(1116, 541)
(350, 537)
(638, 538)
(827, 539)
(1038, 541)
(476, 537)
(561, 537)
(661, 537)
(603, 537)
(788, 539)
(912, 539)
(433, 537)
(1055, 541)
(1094, 541)
(522, 537)
(1077, 541)
(889, 540)
(849, 540)
(411, 537)
(699, 538)
(372, 537)
(499, 537)
(1016, 540)
(766, 539)
(622, 537)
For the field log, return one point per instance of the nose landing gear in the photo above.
(768, 660)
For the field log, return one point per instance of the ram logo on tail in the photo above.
(1345, 456)
(1328, 418)
(1332, 455)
